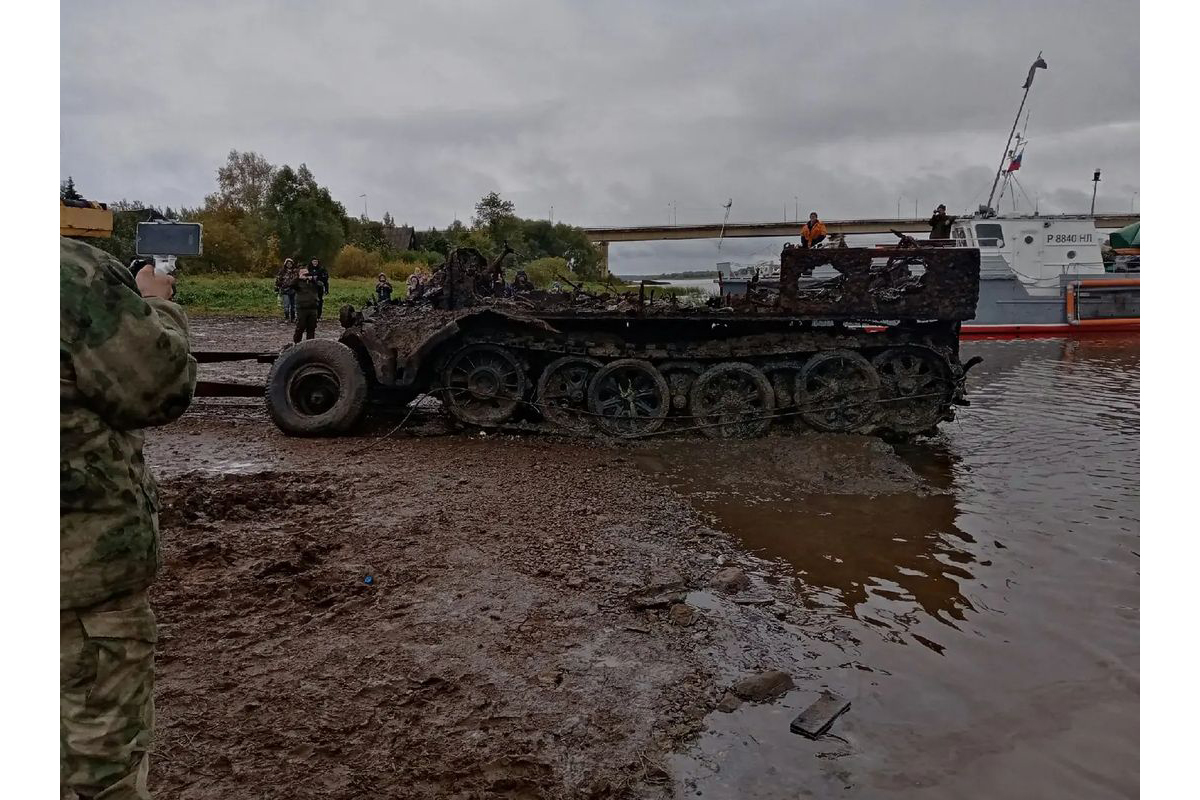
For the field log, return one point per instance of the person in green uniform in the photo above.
(125, 365)
(307, 289)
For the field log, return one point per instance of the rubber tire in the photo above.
(352, 400)
(765, 390)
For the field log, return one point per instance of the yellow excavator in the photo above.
(158, 238)
(84, 218)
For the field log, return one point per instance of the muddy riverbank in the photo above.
(974, 596)
(438, 615)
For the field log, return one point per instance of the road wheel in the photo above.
(630, 398)
(562, 392)
(316, 388)
(483, 384)
(732, 400)
(916, 388)
(838, 391)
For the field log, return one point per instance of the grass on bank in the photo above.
(236, 295)
(242, 296)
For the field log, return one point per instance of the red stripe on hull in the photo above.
(1007, 331)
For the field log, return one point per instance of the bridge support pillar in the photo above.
(603, 248)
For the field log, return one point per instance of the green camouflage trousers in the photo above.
(106, 711)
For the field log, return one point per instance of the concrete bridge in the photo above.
(602, 237)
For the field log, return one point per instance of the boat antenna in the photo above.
(1028, 83)
(1024, 193)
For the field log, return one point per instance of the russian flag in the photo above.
(1015, 164)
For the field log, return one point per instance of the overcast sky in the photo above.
(609, 112)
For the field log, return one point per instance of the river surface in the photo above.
(708, 285)
(991, 619)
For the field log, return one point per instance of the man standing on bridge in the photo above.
(813, 231)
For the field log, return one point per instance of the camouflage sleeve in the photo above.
(130, 354)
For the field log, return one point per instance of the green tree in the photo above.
(243, 183)
(66, 190)
(354, 262)
(368, 235)
(544, 239)
(227, 245)
(545, 271)
(493, 210)
(235, 217)
(305, 217)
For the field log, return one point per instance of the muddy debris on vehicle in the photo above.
(872, 350)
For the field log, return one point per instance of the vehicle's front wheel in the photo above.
(316, 388)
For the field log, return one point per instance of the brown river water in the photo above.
(989, 612)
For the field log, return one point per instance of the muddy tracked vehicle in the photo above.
(873, 349)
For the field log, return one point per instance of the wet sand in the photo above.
(974, 596)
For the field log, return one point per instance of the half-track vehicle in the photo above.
(874, 348)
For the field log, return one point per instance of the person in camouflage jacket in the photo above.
(124, 365)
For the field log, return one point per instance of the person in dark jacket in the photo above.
(383, 288)
(322, 276)
(521, 282)
(284, 278)
(307, 290)
(939, 223)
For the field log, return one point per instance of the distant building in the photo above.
(400, 237)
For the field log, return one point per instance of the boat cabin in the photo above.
(1035, 250)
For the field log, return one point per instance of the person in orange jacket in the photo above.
(813, 231)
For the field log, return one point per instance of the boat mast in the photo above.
(1028, 84)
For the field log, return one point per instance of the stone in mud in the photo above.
(730, 580)
(663, 580)
(661, 589)
(682, 614)
(763, 686)
(729, 703)
(641, 601)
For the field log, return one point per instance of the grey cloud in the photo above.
(607, 111)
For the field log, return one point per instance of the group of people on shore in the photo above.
(418, 282)
(302, 292)
(383, 286)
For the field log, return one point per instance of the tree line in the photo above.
(261, 214)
